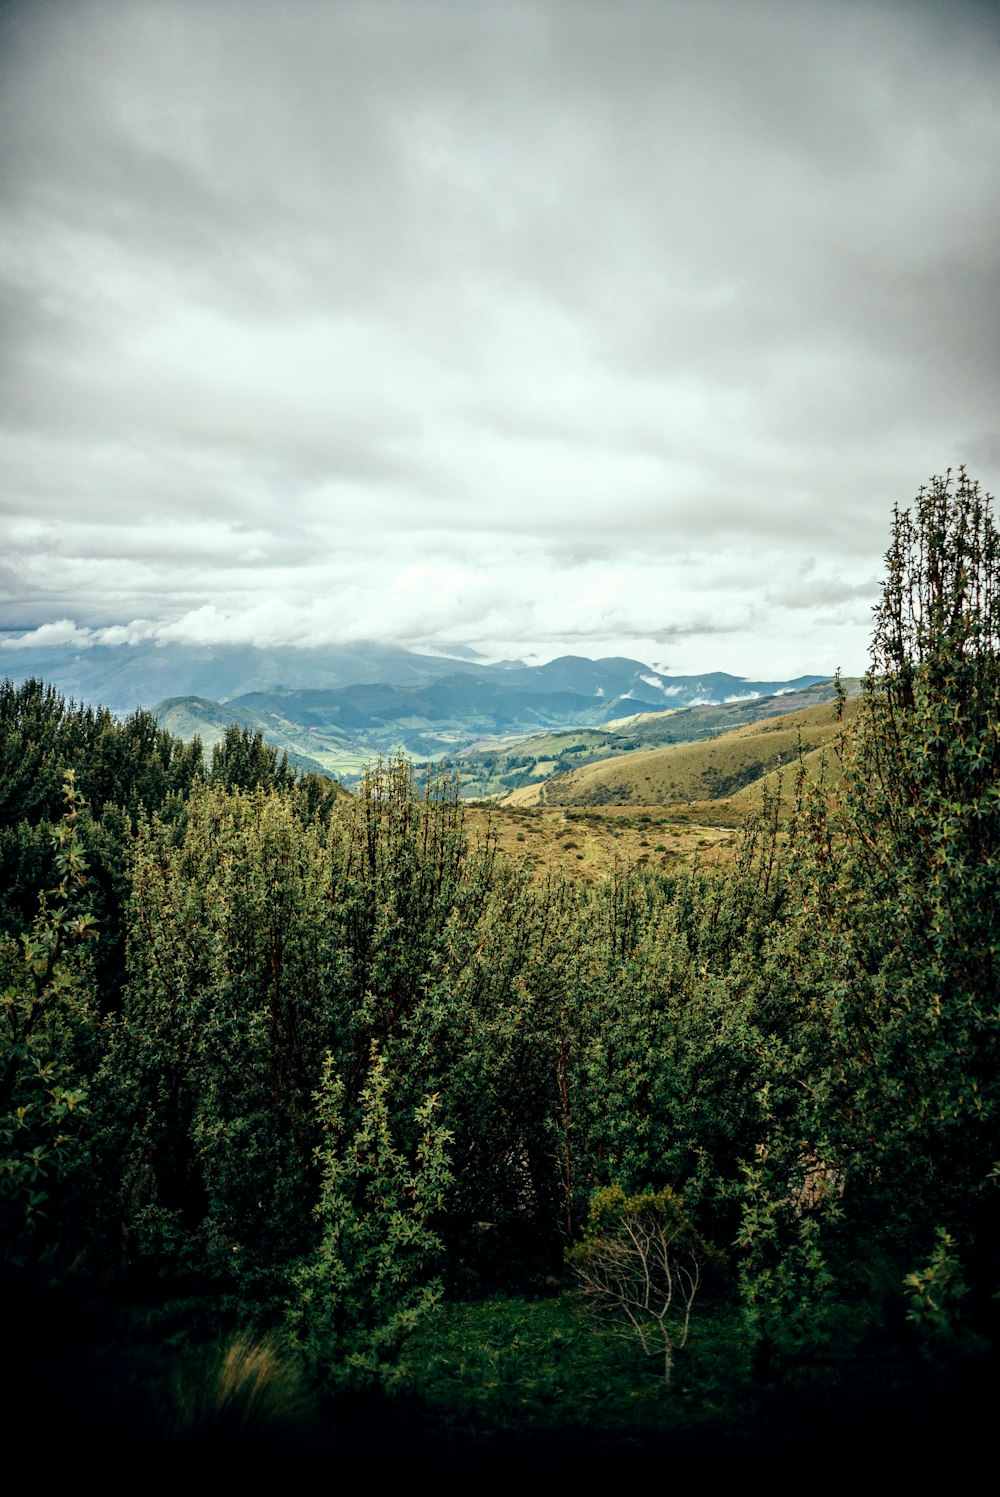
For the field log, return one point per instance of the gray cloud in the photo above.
(439, 321)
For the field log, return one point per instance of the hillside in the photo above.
(197, 717)
(705, 778)
(503, 767)
(592, 843)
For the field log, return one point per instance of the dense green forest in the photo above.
(323, 1124)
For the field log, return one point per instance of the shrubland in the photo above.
(342, 1081)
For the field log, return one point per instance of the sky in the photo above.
(564, 326)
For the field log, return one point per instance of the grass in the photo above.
(510, 1383)
(524, 1383)
(718, 769)
(244, 1385)
(550, 1368)
(589, 843)
(499, 1381)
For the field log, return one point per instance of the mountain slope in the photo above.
(197, 717)
(126, 676)
(499, 768)
(434, 719)
(715, 770)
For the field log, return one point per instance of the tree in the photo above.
(243, 761)
(895, 944)
(43, 1009)
(641, 1261)
(932, 694)
(234, 994)
(923, 807)
(369, 1282)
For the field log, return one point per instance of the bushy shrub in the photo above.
(370, 1280)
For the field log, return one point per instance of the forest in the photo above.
(330, 1131)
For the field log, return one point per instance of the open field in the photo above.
(655, 809)
(590, 842)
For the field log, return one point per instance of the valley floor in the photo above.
(590, 842)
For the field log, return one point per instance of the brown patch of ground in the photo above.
(589, 842)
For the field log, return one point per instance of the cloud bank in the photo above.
(532, 327)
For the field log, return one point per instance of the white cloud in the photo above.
(60, 632)
(550, 327)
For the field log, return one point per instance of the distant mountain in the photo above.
(339, 706)
(513, 699)
(123, 677)
(436, 720)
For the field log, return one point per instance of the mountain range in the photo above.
(335, 708)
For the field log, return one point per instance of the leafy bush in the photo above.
(369, 1282)
(884, 969)
(43, 1008)
(937, 1294)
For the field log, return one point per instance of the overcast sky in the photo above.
(569, 325)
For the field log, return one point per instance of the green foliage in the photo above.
(884, 968)
(400, 869)
(494, 1034)
(791, 1297)
(118, 768)
(369, 1283)
(126, 764)
(457, 967)
(43, 1013)
(256, 945)
(679, 1057)
(937, 1295)
(243, 761)
(40, 738)
(511, 1367)
(233, 997)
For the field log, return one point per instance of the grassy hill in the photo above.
(499, 768)
(664, 808)
(704, 778)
